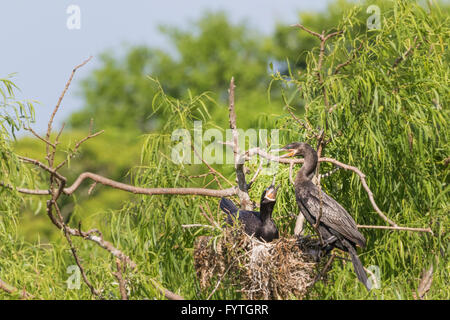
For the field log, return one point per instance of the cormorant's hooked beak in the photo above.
(292, 152)
(271, 193)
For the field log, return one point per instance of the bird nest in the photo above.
(282, 269)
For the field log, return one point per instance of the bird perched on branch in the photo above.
(336, 227)
(258, 224)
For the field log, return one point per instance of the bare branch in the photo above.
(396, 228)
(246, 203)
(197, 225)
(79, 143)
(211, 169)
(43, 166)
(40, 138)
(55, 110)
(168, 294)
(148, 191)
(315, 34)
(119, 277)
(73, 249)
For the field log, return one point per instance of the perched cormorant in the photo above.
(258, 224)
(337, 228)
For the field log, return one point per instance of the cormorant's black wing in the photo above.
(333, 214)
(228, 206)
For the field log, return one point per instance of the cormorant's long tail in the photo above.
(357, 265)
(228, 207)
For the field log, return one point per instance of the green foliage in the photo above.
(386, 116)
(389, 119)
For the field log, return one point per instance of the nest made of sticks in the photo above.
(282, 269)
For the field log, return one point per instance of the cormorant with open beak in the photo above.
(258, 224)
(337, 228)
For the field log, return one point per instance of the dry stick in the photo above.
(56, 143)
(253, 179)
(168, 294)
(74, 253)
(129, 188)
(12, 290)
(396, 228)
(89, 235)
(79, 143)
(197, 225)
(74, 250)
(55, 110)
(213, 171)
(246, 203)
(53, 202)
(119, 277)
(323, 39)
(305, 125)
(25, 190)
(40, 138)
(291, 174)
(43, 166)
(210, 219)
(149, 191)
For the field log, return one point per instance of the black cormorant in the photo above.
(337, 228)
(258, 224)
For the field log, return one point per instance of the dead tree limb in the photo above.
(242, 192)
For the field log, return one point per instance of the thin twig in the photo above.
(213, 171)
(79, 143)
(167, 293)
(119, 277)
(197, 225)
(40, 138)
(55, 110)
(396, 228)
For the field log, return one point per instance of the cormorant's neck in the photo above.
(309, 166)
(266, 210)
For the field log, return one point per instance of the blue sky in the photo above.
(41, 50)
